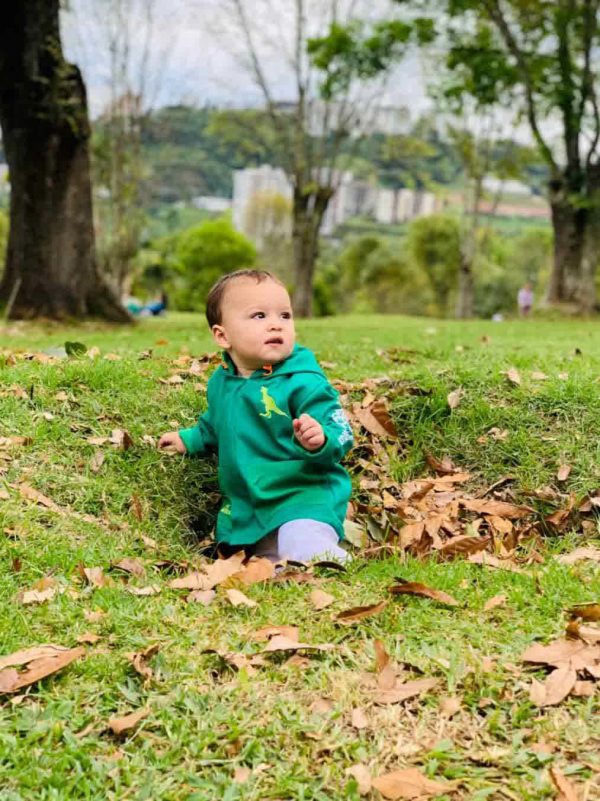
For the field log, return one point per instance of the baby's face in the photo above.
(257, 325)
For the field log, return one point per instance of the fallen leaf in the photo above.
(237, 598)
(384, 667)
(122, 439)
(537, 375)
(43, 590)
(402, 691)
(321, 706)
(88, 638)
(362, 775)
(409, 783)
(513, 376)
(210, 575)
(33, 495)
(241, 775)
(415, 588)
(495, 602)
(279, 642)
(152, 589)
(563, 472)
(95, 616)
(450, 706)
(445, 466)
(563, 785)
(355, 534)
(205, 597)
(122, 725)
(255, 570)
(584, 689)
(356, 613)
(94, 576)
(41, 661)
(359, 719)
(562, 653)
(589, 634)
(579, 555)
(498, 508)
(555, 689)
(462, 546)
(321, 600)
(589, 612)
(140, 659)
(455, 397)
(266, 632)
(489, 560)
(97, 461)
(15, 442)
(133, 566)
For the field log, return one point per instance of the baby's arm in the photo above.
(321, 428)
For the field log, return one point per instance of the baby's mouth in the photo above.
(274, 341)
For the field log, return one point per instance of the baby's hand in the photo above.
(172, 440)
(309, 433)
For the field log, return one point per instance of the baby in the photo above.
(277, 427)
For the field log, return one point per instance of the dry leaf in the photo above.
(33, 495)
(94, 576)
(450, 706)
(513, 376)
(241, 775)
(43, 590)
(97, 461)
(409, 783)
(362, 776)
(497, 508)
(359, 719)
(41, 661)
(279, 642)
(95, 616)
(139, 660)
(493, 603)
(537, 375)
(462, 546)
(122, 439)
(264, 634)
(88, 638)
(455, 397)
(255, 570)
(205, 597)
(590, 612)
(210, 575)
(133, 566)
(563, 653)
(563, 472)
(402, 691)
(580, 554)
(122, 725)
(349, 616)
(237, 598)
(152, 589)
(415, 588)
(555, 689)
(563, 785)
(321, 600)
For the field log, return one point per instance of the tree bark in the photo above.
(466, 288)
(50, 267)
(590, 252)
(307, 216)
(568, 223)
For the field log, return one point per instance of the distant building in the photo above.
(353, 198)
(331, 116)
(212, 203)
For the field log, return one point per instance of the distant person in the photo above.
(157, 307)
(276, 424)
(525, 299)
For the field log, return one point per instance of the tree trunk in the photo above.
(466, 289)
(569, 223)
(590, 253)
(50, 267)
(307, 216)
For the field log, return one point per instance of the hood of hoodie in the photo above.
(300, 360)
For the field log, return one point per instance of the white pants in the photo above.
(302, 541)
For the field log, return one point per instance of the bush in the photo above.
(434, 246)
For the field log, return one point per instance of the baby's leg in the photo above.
(266, 547)
(303, 540)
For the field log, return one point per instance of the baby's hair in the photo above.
(215, 296)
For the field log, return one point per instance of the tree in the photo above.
(50, 266)
(435, 245)
(539, 60)
(310, 130)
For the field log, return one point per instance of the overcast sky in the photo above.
(196, 54)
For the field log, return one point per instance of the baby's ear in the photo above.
(220, 336)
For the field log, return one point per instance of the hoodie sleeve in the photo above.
(201, 439)
(322, 403)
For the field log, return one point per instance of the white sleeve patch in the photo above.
(340, 419)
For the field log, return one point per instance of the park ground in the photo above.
(219, 720)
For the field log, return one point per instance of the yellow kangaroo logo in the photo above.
(270, 406)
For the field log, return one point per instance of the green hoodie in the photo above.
(267, 478)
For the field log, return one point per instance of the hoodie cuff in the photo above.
(325, 454)
(192, 439)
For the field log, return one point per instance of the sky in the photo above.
(196, 55)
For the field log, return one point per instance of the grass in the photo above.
(207, 720)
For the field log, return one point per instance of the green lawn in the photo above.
(288, 722)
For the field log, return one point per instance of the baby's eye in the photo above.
(287, 315)
(258, 315)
